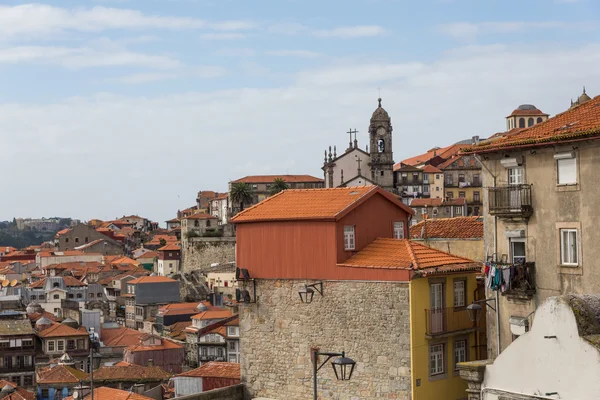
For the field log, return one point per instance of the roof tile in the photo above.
(271, 178)
(449, 228)
(214, 369)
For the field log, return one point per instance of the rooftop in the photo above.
(582, 122)
(313, 204)
(106, 393)
(163, 345)
(271, 178)
(60, 374)
(527, 110)
(449, 228)
(120, 337)
(16, 327)
(151, 279)
(213, 314)
(430, 202)
(444, 153)
(430, 169)
(200, 215)
(384, 253)
(215, 369)
(131, 372)
(170, 247)
(60, 330)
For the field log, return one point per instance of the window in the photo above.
(437, 188)
(435, 211)
(70, 295)
(475, 210)
(515, 176)
(221, 352)
(380, 146)
(476, 181)
(517, 250)
(476, 197)
(79, 295)
(34, 297)
(28, 380)
(349, 238)
(460, 352)
(568, 247)
(208, 222)
(56, 297)
(42, 297)
(447, 210)
(450, 195)
(461, 178)
(196, 223)
(80, 344)
(232, 331)
(567, 171)
(521, 122)
(204, 351)
(399, 230)
(27, 361)
(448, 179)
(91, 295)
(86, 239)
(530, 122)
(70, 344)
(461, 194)
(60, 345)
(76, 240)
(426, 189)
(27, 342)
(437, 176)
(66, 240)
(436, 357)
(50, 345)
(425, 178)
(539, 120)
(458, 210)
(55, 284)
(460, 294)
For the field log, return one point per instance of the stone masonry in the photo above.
(200, 253)
(370, 321)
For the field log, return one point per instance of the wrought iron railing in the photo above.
(512, 200)
(446, 320)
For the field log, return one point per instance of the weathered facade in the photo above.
(200, 253)
(82, 234)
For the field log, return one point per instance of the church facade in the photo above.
(357, 167)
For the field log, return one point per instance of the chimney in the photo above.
(475, 140)
(150, 362)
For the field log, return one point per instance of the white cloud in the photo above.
(350, 31)
(222, 36)
(84, 57)
(293, 53)
(467, 30)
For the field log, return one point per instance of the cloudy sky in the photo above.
(132, 106)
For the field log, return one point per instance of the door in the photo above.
(515, 179)
(437, 310)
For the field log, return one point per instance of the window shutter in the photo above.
(567, 171)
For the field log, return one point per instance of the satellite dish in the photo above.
(5, 283)
(13, 283)
(75, 395)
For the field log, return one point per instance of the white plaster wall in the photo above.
(532, 364)
(349, 164)
(186, 385)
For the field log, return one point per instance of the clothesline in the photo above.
(504, 277)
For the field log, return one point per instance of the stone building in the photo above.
(462, 179)
(83, 234)
(17, 351)
(540, 211)
(144, 296)
(396, 307)
(438, 208)
(168, 259)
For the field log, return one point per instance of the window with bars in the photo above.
(436, 359)
(349, 239)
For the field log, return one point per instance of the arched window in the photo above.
(196, 223)
(530, 122)
(380, 146)
(539, 120)
(521, 122)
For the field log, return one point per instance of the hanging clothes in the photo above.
(506, 278)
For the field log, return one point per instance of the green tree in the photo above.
(241, 193)
(277, 186)
(162, 242)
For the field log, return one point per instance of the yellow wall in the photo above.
(469, 248)
(452, 387)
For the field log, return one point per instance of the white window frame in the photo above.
(458, 210)
(436, 359)
(571, 175)
(53, 343)
(349, 237)
(572, 256)
(515, 176)
(399, 230)
(460, 352)
(459, 293)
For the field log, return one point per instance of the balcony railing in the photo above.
(511, 201)
(440, 321)
(211, 358)
(522, 282)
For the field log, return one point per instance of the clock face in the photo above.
(380, 131)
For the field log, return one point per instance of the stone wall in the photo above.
(200, 253)
(368, 320)
(229, 393)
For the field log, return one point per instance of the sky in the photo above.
(119, 107)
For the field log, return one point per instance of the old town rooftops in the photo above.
(16, 327)
(449, 228)
(582, 122)
(107, 393)
(60, 374)
(214, 369)
(403, 254)
(61, 330)
(271, 178)
(200, 215)
(437, 202)
(313, 204)
(170, 247)
(150, 279)
(131, 372)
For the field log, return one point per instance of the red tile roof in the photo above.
(527, 112)
(430, 202)
(69, 282)
(19, 393)
(271, 178)
(444, 152)
(214, 369)
(430, 169)
(106, 393)
(213, 314)
(151, 279)
(313, 204)
(581, 122)
(148, 254)
(449, 228)
(165, 345)
(200, 215)
(120, 337)
(384, 253)
(131, 372)
(176, 331)
(170, 247)
(60, 330)
(60, 374)
(7, 249)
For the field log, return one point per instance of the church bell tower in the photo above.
(382, 158)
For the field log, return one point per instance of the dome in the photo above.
(71, 322)
(380, 112)
(33, 308)
(527, 107)
(202, 307)
(43, 321)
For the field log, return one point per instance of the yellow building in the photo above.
(462, 178)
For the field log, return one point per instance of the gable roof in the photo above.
(120, 337)
(214, 369)
(60, 374)
(581, 122)
(213, 314)
(170, 247)
(430, 169)
(165, 344)
(444, 152)
(107, 393)
(449, 228)
(313, 204)
(151, 279)
(404, 254)
(131, 372)
(19, 392)
(271, 178)
(60, 330)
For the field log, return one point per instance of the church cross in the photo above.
(358, 160)
(350, 132)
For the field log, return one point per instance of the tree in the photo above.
(162, 242)
(241, 193)
(277, 186)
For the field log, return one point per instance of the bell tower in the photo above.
(382, 158)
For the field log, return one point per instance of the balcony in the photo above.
(211, 358)
(412, 182)
(522, 285)
(513, 201)
(447, 322)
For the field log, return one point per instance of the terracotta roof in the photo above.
(384, 253)
(449, 228)
(173, 220)
(35, 316)
(106, 393)
(60, 374)
(131, 372)
(271, 178)
(214, 369)
(179, 309)
(60, 330)
(74, 265)
(578, 123)
(122, 260)
(527, 112)
(444, 152)
(474, 163)
(19, 393)
(430, 169)
(313, 204)
(62, 232)
(7, 249)
(120, 337)
(165, 345)
(213, 314)
(170, 247)
(177, 330)
(16, 327)
(148, 254)
(200, 215)
(156, 239)
(70, 281)
(438, 202)
(151, 279)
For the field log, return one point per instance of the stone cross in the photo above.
(358, 160)
(350, 132)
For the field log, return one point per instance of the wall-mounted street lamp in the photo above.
(308, 291)
(475, 310)
(342, 367)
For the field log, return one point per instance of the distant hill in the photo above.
(11, 236)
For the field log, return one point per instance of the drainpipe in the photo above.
(496, 253)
